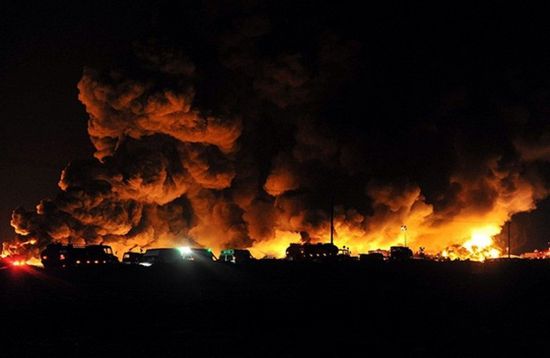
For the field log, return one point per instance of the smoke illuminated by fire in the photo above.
(256, 172)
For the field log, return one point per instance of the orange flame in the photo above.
(479, 247)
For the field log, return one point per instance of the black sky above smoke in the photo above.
(340, 96)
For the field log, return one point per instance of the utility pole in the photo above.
(404, 230)
(509, 241)
(332, 222)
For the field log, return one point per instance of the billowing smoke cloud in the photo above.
(250, 149)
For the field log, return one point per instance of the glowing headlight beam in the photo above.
(185, 250)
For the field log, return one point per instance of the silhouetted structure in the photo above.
(400, 253)
(235, 256)
(58, 255)
(131, 258)
(199, 255)
(311, 252)
(161, 257)
(371, 257)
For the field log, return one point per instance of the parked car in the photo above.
(131, 258)
(400, 253)
(198, 254)
(162, 256)
(235, 256)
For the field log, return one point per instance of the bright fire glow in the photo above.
(479, 247)
(481, 238)
(34, 262)
(275, 247)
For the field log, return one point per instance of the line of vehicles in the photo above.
(63, 256)
(323, 252)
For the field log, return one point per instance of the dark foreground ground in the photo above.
(278, 309)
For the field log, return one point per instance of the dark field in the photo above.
(278, 309)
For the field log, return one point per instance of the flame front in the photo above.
(479, 247)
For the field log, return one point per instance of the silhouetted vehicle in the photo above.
(344, 255)
(371, 257)
(344, 251)
(54, 255)
(400, 253)
(235, 256)
(161, 257)
(311, 252)
(99, 254)
(199, 255)
(131, 258)
(295, 252)
(57, 255)
(75, 256)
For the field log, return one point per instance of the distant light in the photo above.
(78, 261)
(185, 250)
(146, 264)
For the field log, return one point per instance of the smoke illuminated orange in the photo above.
(170, 174)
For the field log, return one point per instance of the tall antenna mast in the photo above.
(509, 241)
(404, 231)
(332, 222)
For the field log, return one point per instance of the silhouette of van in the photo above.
(161, 256)
(199, 255)
(58, 255)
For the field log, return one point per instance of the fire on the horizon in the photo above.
(478, 247)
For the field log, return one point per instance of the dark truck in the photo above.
(62, 256)
(371, 257)
(160, 257)
(235, 256)
(171, 256)
(203, 255)
(312, 252)
(400, 253)
(131, 258)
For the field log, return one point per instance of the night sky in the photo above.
(45, 48)
(479, 78)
